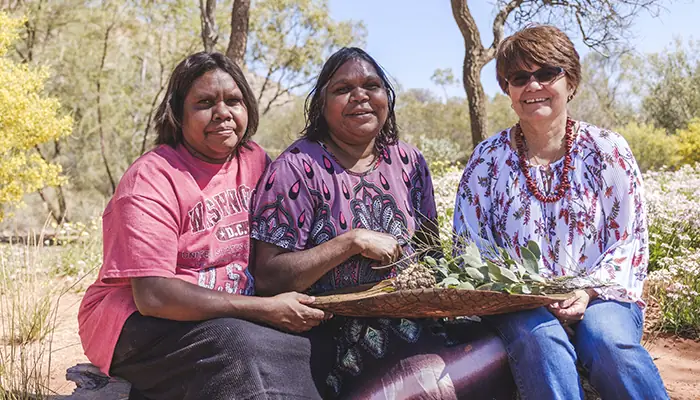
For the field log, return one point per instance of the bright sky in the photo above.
(412, 38)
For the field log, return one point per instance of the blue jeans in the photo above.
(607, 343)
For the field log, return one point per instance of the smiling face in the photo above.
(539, 102)
(214, 116)
(356, 103)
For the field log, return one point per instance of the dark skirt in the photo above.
(223, 358)
(348, 358)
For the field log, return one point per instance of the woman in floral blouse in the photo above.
(575, 190)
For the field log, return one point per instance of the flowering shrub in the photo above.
(446, 178)
(652, 147)
(672, 200)
(689, 142)
(27, 119)
(80, 252)
(675, 287)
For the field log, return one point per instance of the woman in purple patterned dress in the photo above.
(336, 209)
(574, 189)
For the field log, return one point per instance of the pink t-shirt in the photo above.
(172, 215)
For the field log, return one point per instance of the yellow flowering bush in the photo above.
(689, 139)
(652, 147)
(27, 119)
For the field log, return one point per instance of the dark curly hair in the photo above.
(316, 126)
(168, 119)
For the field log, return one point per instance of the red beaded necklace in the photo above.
(564, 184)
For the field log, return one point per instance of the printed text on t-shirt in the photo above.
(205, 215)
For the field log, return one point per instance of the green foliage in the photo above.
(500, 114)
(652, 147)
(689, 142)
(110, 62)
(603, 96)
(444, 77)
(288, 42)
(497, 271)
(670, 84)
(27, 119)
(281, 127)
(440, 130)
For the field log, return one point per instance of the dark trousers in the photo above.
(223, 358)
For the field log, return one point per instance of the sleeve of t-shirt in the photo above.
(283, 208)
(140, 239)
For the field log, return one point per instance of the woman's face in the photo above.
(540, 101)
(356, 103)
(214, 115)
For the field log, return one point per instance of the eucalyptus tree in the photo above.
(601, 24)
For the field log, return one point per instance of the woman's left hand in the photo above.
(572, 309)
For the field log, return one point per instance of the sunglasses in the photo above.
(543, 75)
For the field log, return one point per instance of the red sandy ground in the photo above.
(678, 359)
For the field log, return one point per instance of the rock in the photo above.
(94, 385)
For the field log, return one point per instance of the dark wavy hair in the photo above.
(316, 126)
(168, 119)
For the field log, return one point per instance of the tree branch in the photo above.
(240, 17)
(103, 150)
(467, 26)
(58, 214)
(209, 32)
(498, 27)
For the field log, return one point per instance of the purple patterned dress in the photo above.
(306, 198)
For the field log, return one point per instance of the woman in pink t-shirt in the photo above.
(171, 309)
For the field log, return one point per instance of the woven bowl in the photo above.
(381, 301)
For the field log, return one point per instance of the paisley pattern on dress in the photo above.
(274, 222)
(376, 211)
(322, 229)
(416, 193)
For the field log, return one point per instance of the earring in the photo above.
(571, 97)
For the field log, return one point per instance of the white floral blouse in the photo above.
(597, 229)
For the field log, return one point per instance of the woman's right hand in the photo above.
(379, 246)
(291, 312)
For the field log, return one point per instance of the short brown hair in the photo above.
(537, 45)
(168, 119)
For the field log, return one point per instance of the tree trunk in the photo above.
(474, 54)
(209, 29)
(475, 57)
(477, 99)
(57, 213)
(240, 16)
(98, 84)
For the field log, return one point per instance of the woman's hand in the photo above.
(572, 309)
(379, 246)
(290, 312)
